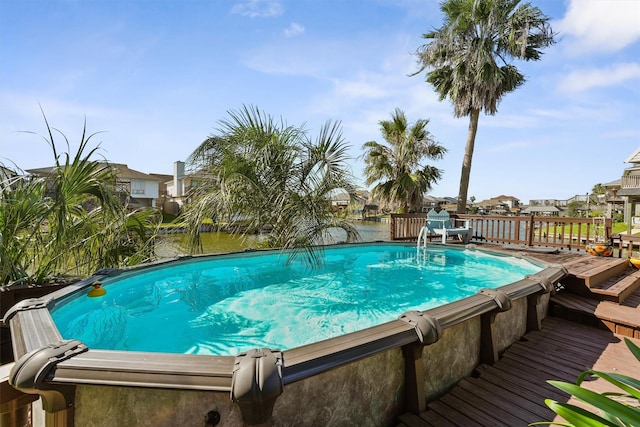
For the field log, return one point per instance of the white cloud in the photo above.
(363, 88)
(509, 147)
(581, 80)
(600, 25)
(258, 8)
(293, 30)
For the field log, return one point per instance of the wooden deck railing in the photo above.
(560, 232)
(627, 244)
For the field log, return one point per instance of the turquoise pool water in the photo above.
(228, 304)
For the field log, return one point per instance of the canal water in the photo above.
(174, 245)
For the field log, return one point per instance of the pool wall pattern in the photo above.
(367, 377)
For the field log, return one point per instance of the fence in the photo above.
(560, 232)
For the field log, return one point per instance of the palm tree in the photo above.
(469, 59)
(396, 166)
(266, 175)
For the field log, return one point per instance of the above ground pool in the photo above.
(225, 305)
(378, 330)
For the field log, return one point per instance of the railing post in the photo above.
(531, 230)
(392, 225)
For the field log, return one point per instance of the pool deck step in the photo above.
(596, 270)
(618, 318)
(619, 287)
(605, 279)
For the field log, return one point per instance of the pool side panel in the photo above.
(451, 358)
(103, 406)
(368, 392)
(510, 325)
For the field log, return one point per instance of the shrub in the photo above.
(71, 222)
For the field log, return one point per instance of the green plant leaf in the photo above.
(635, 383)
(551, 423)
(624, 413)
(634, 348)
(623, 385)
(628, 384)
(577, 416)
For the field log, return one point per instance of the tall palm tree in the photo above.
(470, 56)
(265, 174)
(396, 166)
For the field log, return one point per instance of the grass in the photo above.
(616, 228)
(619, 227)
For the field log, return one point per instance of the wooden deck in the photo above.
(512, 391)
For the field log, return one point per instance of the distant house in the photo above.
(136, 189)
(560, 204)
(181, 184)
(431, 202)
(541, 211)
(340, 200)
(500, 205)
(615, 202)
(630, 188)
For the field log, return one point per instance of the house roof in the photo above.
(532, 209)
(628, 192)
(163, 177)
(196, 175)
(432, 199)
(123, 172)
(634, 157)
(613, 184)
(496, 201)
(42, 171)
(506, 198)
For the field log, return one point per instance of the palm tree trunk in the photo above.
(466, 161)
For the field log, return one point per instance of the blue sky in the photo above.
(156, 77)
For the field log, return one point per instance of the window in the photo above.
(137, 187)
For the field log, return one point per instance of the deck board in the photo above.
(512, 391)
(478, 415)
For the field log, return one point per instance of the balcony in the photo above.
(630, 181)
